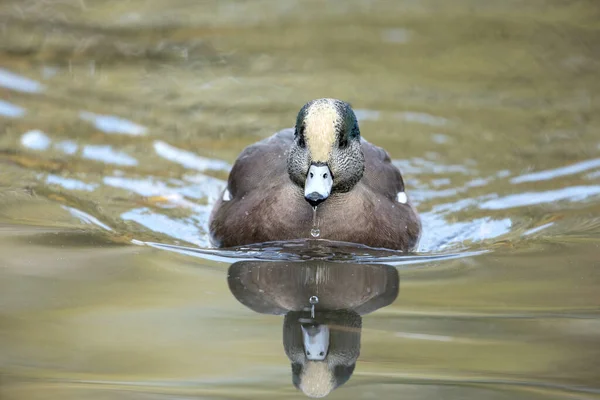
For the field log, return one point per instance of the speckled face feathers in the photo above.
(327, 133)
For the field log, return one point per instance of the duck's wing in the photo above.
(256, 198)
(261, 165)
(380, 175)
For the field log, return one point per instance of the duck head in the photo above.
(326, 156)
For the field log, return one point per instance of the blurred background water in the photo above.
(119, 121)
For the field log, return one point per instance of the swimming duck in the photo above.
(275, 185)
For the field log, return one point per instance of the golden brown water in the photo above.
(119, 121)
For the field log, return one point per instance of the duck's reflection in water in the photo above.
(323, 303)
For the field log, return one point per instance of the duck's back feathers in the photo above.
(381, 176)
(261, 165)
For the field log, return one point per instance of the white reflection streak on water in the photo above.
(572, 193)
(35, 140)
(188, 159)
(537, 229)
(105, 153)
(113, 124)
(10, 110)
(19, 83)
(558, 172)
(86, 218)
(70, 184)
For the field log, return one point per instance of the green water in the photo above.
(119, 121)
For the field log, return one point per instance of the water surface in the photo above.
(119, 122)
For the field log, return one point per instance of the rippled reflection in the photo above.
(188, 159)
(35, 140)
(10, 110)
(13, 81)
(106, 154)
(113, 124)
(322, 303)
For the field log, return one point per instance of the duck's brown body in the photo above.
(263, 204)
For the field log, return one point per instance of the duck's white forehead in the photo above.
(320, 123)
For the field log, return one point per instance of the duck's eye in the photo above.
(311, 175)
(324, 176)
(300, 136)
(301, 141)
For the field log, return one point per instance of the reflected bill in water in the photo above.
(322, 303)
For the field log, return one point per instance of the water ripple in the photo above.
(86, 218)
(35, 140)
(105, 153)
(188, 159)
(69, 183)
(113, 124)
(311, 249)
(13, 81)
(558, 172)
(572, 193)
(10, 110)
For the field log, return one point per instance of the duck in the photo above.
(320, 174)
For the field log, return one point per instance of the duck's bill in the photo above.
(318, 183)
(316, 341)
